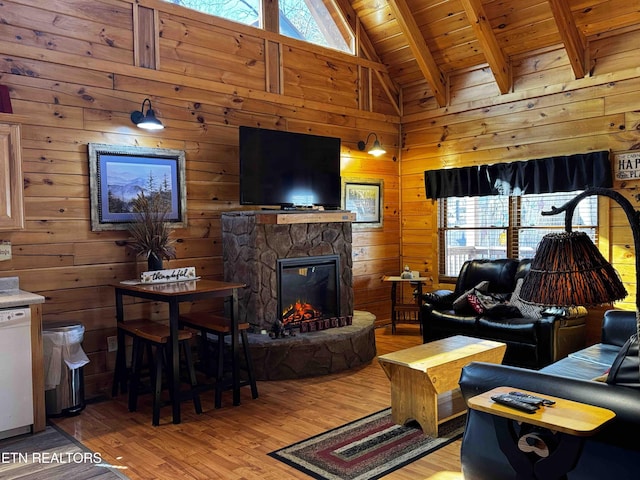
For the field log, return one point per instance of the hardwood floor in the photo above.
(233, 442)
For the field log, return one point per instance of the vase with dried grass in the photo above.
(150, 233)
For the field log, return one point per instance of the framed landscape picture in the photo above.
(118, 174)
(364, 198)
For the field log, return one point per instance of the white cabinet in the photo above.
(11, 189)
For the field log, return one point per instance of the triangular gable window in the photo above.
(316, 21)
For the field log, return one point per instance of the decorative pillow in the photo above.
(625, 369)
(528, 310)
(462, 301)
(475, 303)
(481, 302)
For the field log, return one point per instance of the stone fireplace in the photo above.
(260, 245)
(256, 245)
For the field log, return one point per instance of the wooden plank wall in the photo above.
(548, 113)
(77, 69)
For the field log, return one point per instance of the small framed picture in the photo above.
(364, 198)
(118, 174)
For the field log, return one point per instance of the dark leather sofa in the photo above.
(531, 342)
(612, 452)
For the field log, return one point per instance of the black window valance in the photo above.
(543, 175)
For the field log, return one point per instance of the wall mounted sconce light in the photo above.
(376, 150)
(148, 121)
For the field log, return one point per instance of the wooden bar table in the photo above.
(174, 293)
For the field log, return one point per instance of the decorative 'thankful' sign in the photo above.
(626, 165)
(173, 275)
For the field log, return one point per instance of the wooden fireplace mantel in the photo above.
(279, 217)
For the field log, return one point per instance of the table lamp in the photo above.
(569, 270)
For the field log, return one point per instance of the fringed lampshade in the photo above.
(569, 270)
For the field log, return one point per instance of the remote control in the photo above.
(525, 397)
(531, 400)
(508, 401)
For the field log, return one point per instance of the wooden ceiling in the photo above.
(422, 40)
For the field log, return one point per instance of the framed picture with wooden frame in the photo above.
(364, 198)
(118, 174)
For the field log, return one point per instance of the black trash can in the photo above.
(64, 360)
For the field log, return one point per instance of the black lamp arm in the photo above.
(146, 100)
(362, 144)
(632, 215)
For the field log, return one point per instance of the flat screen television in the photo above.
(288, 169)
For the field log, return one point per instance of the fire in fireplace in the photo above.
(308, 288)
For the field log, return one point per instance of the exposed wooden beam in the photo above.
(499, 64)
(574, 41)
(432, 73)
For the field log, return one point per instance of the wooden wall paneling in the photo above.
(196, 61)
(45, 256)
(570, 129)
(614, 54)
(321, 78)
(492, 124)
(145, 37)
(101, 23)
(364, 88)
(417, 98)
(242, 41)
(466, 95)
(273, 61)
(563, 73)
(626, 103)
(56, 207)
(383, 100)
(437, 158)
(34, 37)
(68, 300)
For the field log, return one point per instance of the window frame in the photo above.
(269, 14)
(513, 229)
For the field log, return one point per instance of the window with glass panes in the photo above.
(504, 226)
(314, 21)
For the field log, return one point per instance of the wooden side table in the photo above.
(420, 374)
(402, 312)
(567, 422)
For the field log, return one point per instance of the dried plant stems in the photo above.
(150, 232)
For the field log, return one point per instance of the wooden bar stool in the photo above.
(120, 374)
(219, 326)
(147, 333)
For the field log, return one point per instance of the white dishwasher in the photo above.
(16, 394)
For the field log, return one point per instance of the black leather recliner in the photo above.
(531, 342)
